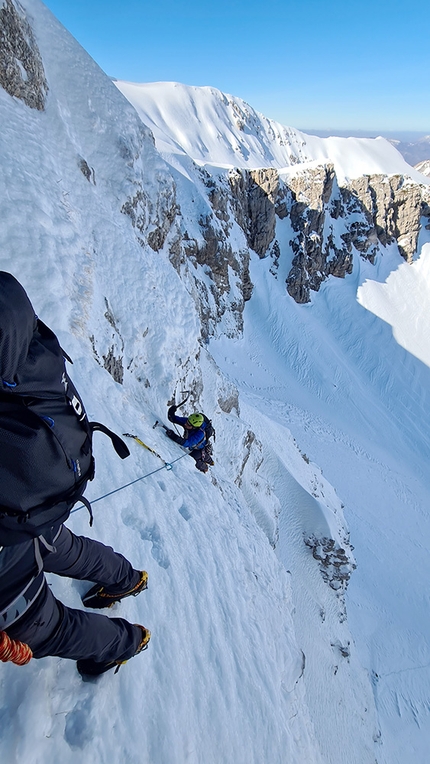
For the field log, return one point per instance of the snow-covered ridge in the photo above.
(424, 167)
(218, 129)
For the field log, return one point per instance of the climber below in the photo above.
(197, 431)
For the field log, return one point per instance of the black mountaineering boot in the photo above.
(98, 597)
(89, 669)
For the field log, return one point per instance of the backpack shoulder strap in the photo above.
(209, 429)
(117, 442)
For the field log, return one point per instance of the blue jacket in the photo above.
(194, 439)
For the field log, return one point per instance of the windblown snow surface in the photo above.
(218, 129)
(254, 658)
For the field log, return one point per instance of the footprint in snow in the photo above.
(150, 533)
(79, 726)
(186, 514)
(153, 534)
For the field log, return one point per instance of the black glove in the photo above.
(177, 438)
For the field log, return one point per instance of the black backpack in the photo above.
(46, 455)
(209, 429)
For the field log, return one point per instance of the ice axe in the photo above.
(151, 450)
(159, 424)
(187, 395)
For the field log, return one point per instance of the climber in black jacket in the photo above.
(33, 380)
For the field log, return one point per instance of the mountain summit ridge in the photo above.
(215, 128)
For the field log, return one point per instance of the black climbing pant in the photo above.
(51, 628)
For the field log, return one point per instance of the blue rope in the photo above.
(165, 466)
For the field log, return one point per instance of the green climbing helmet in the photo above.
(196, 420)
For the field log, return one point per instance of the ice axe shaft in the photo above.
(187, 395)
(151, 450)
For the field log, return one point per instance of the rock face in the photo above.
(21, 69)
(228, 271)
(395, 208)
(330, 222)
(317, 254)
(235, 210)
(255, 202)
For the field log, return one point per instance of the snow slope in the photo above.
(218, 129)
(221, 681)
(423, 167)
(254, 656)
(358, 405)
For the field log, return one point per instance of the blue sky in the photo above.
(310, 64)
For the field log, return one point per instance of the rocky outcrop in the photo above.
(162, 213)
(336, 563)
(257, 197)
(331, 225)
(370, 212)
(228, 271)
(87, 171)
(329, 222)
(21, 68)
(395, 209)
(112, 358)
(152, 220)
(317, 253)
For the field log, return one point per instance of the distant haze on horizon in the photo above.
(399, 135)
(324, 64)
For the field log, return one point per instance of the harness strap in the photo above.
(31, 591)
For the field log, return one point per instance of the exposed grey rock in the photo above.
(395, 206)
(425, 211)
(331, 226)
(162, 214)
(375, 211)
(219, 199)
(136, 207)
(336, 564)
(87, 171)
(21, 68)
(112, 360)
(275, 254)
(153, 221)
(316, 254)
(255, 196)
(114, 365)
(247, 444)
(213, 251)
(230, 402)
